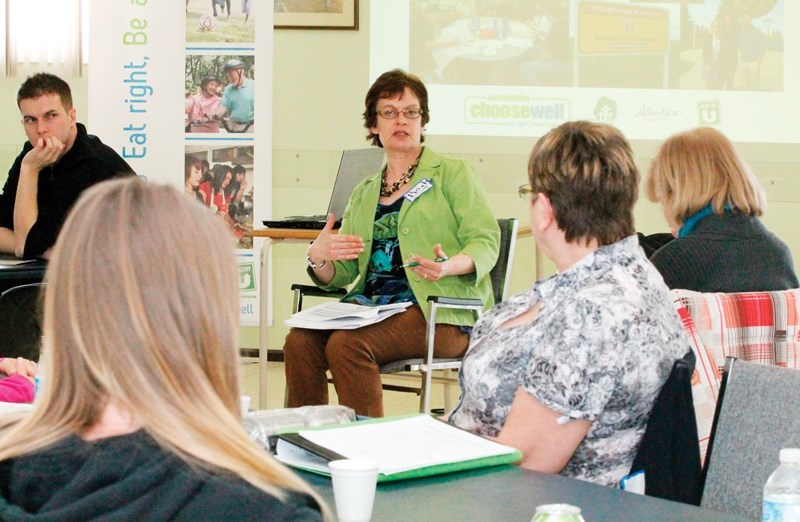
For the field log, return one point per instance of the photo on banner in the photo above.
(221, 178)
(217, 100)
(220, 21)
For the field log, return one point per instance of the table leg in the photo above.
(263, 324)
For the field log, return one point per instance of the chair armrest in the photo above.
(316, 291)
(444, 301)
(302, 291)
(468, 303)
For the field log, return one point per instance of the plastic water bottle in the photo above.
(782, 490)
(557, 513)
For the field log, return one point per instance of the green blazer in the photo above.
(455, 212)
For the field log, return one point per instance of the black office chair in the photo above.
(668, 452)
(21, 316)
(499, 275)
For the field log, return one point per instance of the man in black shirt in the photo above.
(59, 161)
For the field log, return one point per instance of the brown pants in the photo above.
(355, 356)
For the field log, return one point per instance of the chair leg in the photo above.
(447, 390)
(423, 393)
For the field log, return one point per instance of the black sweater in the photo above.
(729, 253)
(88, 162)
(131, 478)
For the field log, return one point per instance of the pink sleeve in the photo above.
(16, 388)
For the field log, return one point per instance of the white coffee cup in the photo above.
(245, 404)
(354, 484)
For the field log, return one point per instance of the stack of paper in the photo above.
(404, 447)
(335, 315)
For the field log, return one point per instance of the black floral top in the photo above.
(600, 349)
(386, 280)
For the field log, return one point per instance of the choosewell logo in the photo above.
(518, 111)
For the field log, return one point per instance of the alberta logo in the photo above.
(708, 112)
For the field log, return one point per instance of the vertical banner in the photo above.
(175, 97)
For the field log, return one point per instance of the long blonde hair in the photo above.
(700, 167)
(141, 308)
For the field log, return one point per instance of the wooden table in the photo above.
(271, 235)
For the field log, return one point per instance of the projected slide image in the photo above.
(651, 68)
(713, 44)
(490, 42)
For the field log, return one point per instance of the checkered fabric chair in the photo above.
(705, 379)
(759, 327)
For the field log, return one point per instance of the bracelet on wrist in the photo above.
(310, 262)
(315, 265)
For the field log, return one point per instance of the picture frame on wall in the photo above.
(316, 14)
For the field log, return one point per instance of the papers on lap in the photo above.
(335, 315)
(404, 447)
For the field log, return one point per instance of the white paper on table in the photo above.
(405, 444)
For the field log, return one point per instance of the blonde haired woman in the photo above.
(712, 201)
(139, 418)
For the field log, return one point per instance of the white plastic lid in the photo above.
(790, 455)
(558, 509)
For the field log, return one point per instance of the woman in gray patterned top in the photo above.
(568, 371)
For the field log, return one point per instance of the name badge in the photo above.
(417, 190)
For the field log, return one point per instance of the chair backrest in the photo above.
(501, 273)
(21, 321)
(760, 327)
(705, 379)
(668, 452)
(758, 413)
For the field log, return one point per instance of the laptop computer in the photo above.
(355, 165)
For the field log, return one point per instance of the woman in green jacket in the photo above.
(421, 226)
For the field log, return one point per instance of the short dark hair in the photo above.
(587, 171)
(239, 169)
(41, 84)
(389, 85)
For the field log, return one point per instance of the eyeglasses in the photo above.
(390, 113)
(526, 192)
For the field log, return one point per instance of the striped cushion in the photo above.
(760, 327)
(705, 380)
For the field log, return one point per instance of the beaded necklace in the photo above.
(386, 190)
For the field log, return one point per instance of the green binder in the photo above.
(496, 454)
